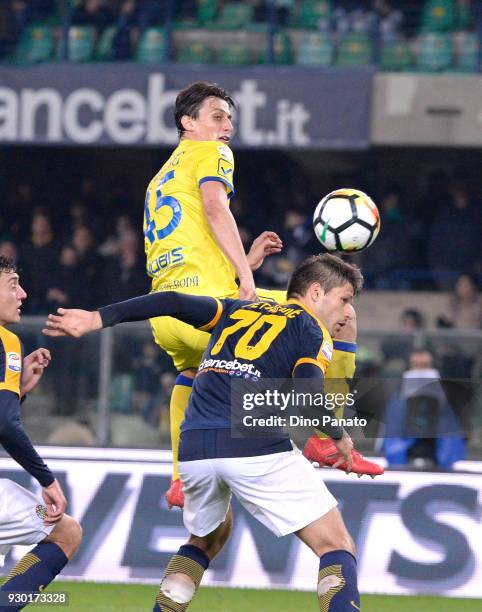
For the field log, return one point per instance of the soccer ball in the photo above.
(346, 220)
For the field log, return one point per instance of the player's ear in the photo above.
(187, 123)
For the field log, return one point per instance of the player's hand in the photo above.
(344, 446)
(33, 368)
(72, 322)
(265, 244)
(247, 289)
(347, 331)
(55, 501)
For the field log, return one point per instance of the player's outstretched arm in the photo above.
(267, 243)
(72, 322)
(199, 311)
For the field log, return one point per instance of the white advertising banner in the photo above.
(415, 532)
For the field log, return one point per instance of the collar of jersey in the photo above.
(305, 308)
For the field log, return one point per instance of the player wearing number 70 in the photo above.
(274, 482)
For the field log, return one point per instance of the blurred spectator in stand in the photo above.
(110, 247)
(124, 276)
(464, 311)
(390, 21)
(95, 13)
(66, 288)
(8, 29)
(420, 427)
(8, 249)
(276, 270)
(39, 262)
(395, 250)
(21, 201)
(400, 347)
(454, 237)
(147, 370)
(89, 261)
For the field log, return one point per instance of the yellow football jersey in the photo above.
(10, 361)
(182, 253)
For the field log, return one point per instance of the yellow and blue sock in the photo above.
(35, 571)
(177, 407)
(337, 582)
(190, 561)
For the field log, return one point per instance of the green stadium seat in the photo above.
(396, 56)
(195, 53)
(36, 44)
(311, 12)
(81, 44)
(103, 49)
(234, 54)
(436, 52)
(151, 48)
(316, 49)
(439, 16)
(207, 11)
(282, 50)
(355, 49)
(468, 52)
(234, 17)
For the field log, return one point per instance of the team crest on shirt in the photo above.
(327, 350)
(41, 511)
(225, 168)
(14, 363)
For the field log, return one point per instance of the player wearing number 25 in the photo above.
(191, 239)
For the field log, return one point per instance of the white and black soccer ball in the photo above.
(346, 220)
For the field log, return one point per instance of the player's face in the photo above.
(11, 297)
(335, 307)
(212, 123)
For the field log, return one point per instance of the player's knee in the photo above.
(179, 588)
(68, 535)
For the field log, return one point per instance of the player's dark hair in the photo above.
(328, 270)
(189, 100)
(7, 264)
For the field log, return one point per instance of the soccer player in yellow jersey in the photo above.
(191, 239)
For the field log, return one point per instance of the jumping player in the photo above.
(273, 481)
(193, 246)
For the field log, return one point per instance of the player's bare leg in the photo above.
(185, 569)
(329, 539)
(40, 566)
(177, 407)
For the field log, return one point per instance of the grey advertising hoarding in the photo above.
(438, 110)
(415, 532)
(131, 105)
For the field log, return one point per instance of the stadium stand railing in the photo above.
(92, 386)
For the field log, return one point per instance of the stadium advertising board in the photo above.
(415, 532)
(442, 109)
(130, 104)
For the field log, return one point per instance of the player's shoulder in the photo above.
(9, 342)
(213, 148)
(231, 304)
